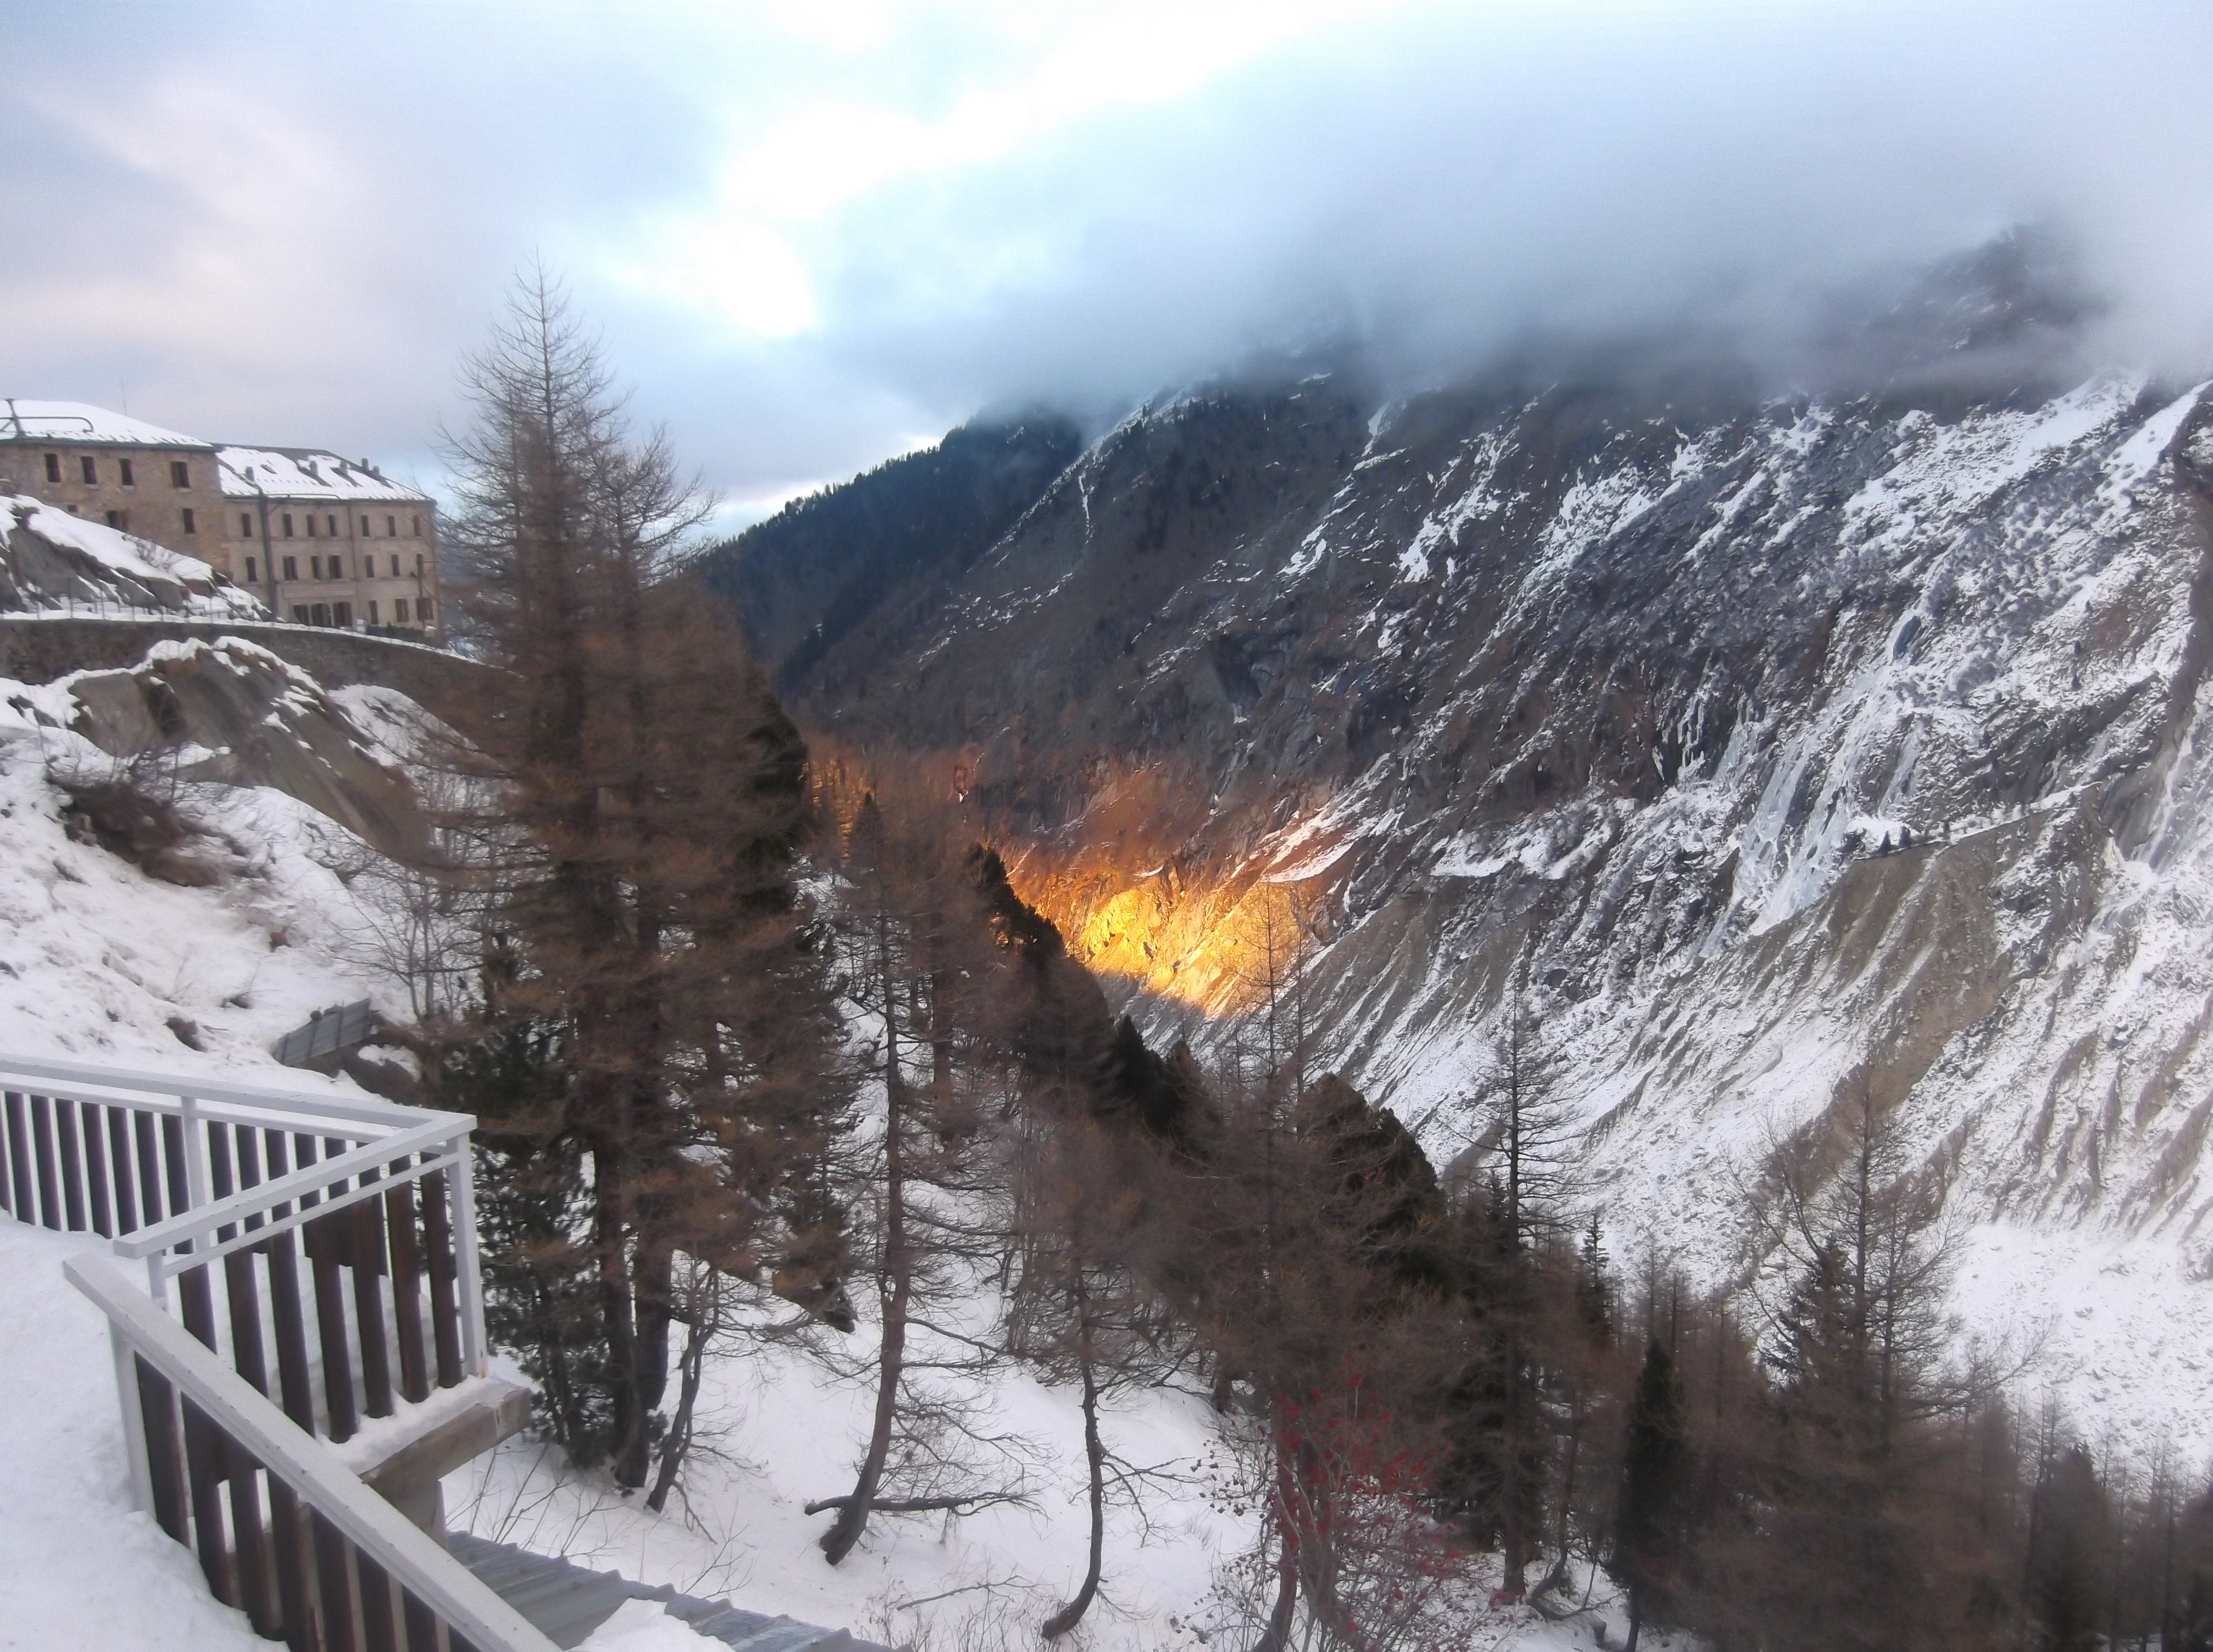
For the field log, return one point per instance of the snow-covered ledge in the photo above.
(404, 1456)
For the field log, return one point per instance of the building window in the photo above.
(191, 527)
(245, 525)
(54, 467)
(291, 567)
(123, 469)
(422, 609)
(321, 611)
(180, 474)
(288, 524)
(330, 521)
(395, 568)
(372, 611)
(391, 527)
(342, 615)
(311, 524)
(364, 527)
(252, 573)
(414, 527)
(88, 471)
(299, 616)
(314, 567)
(115, 519)
(419, 564)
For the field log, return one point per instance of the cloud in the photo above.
(815, 234)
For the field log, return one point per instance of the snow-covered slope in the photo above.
(83, 1569)
(100, 961)
(1787, 751)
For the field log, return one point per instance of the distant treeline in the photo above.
(804, 579)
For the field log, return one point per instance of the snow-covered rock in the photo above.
(51, 561)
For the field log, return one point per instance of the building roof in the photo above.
(80, 423)
(307, 474)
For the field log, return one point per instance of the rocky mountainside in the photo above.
(1771, 752)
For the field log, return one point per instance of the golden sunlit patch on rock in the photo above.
(1212, 941)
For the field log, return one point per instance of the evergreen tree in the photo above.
(637, 801)
(1649, 1535)
(2067, 1583)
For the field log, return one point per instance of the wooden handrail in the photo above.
(302, 1462)
(317, 1178)
(206, 1185)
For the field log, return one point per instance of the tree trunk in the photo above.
(853, 1519)
(1513, 1536)
(679, 1440)
(610, 1237)
(1277, 1638)
(1568, 1471)
(1095, 1453)
(650, 1317)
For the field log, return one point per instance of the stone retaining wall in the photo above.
(37, 650)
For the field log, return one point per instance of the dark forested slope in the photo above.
(803, 579)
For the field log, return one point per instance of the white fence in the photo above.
(215, 1188)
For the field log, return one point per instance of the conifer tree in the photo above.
(638, 799)
(1649, 1530)
(923, 965)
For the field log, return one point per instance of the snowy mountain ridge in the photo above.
(1785, 751)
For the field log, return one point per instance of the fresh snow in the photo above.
(645, 1626)
(97, 958)
(308, 474)
(126, 560)
(82, 1568)
(71, 422)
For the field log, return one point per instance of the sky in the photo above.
(813, 234)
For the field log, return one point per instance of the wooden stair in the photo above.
(567, 1602)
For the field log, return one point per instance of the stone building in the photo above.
(323, 540)
(118, 470)
(328, 541)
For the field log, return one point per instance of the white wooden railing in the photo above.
(332, 1565)
(204, 1184)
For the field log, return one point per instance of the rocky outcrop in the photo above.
(51, 561)
(233, 713)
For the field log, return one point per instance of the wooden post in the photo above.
(445, 1317)
(42, 1152)
(407, 1289)
(365, 1238)
(134, 1420)
(467, 1263)
(195, 1172)
(119, 1158)
(96, 1167)
(65, 1119)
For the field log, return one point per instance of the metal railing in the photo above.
(285, 1531)
(207, 1184)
